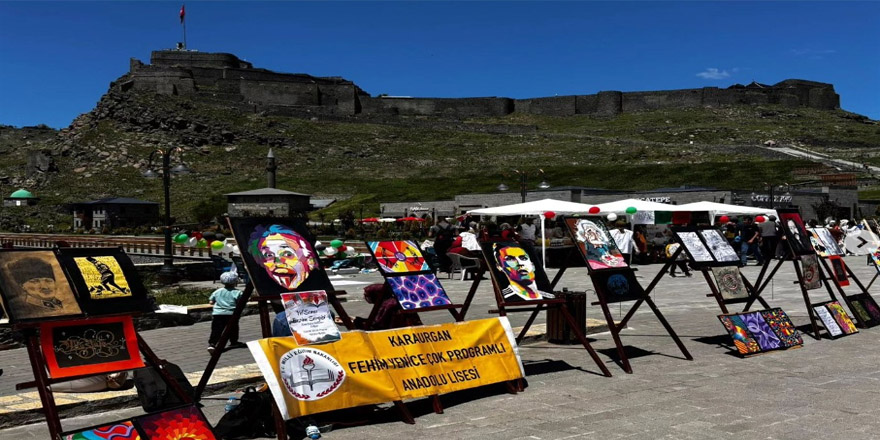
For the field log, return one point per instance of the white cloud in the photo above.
(714, 73)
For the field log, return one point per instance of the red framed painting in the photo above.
(839, 269)
(90, 346)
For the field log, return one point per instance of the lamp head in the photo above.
(503, 187)
(150, 174)
(543, 185)
(180, 169)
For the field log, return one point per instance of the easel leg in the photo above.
(763, 286)
(46, 397)
(280, 424)
(715, 293)
(669, 329)
(615, 334)
(583, 338)
(872, 281)
(531, 320)
(753, 295)
(470, 295)
(437, 405)
(404, 413)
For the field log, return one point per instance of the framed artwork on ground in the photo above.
(105, 280)
(90, 346)
(864, 305)
(122, 430)
(516, 275)
(187, 423)
(835, 319)
(595, 243)
(279, 255)
(34, 287)
(760, 331)
(398, 257)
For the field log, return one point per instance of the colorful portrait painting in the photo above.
(187, 423)
(116, 431)
(729, 282)
(105, 280)
(595, 243)
(397, 257)
(742, 340)
(695, 247)
(279, 255)
(782, 326)
(719, 246)
(828, 321)
(838, 269)
(418, 291)
(93, 346)
(619, 285)
(811, 272)
(34, 286)
(796, 235)
(515, 273)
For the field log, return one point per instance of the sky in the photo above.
(58, 58)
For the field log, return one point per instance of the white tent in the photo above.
(537, 207)
(725, 209)
(620, 206)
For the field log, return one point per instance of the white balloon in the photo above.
(611, 217)
(330, 251)
(349, 250)
(236, 250)
(228, 248)
(317, 243)
(191, 242)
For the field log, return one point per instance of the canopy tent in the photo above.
(620, 206)
(537, 207)
(716, 209)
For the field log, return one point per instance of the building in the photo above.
(270, 202)
(22, 197)
(114, 212)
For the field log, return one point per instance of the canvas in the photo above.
(742, 340)
(34, 287)
(843, 320)
(105, 280)
(838, 269)
(729, 282)
(762, 332)
(817, 242)
(782, 327)
(4, 318)
(831, 245)
(719, 246)
(418, 291)
(98, 345)
(860, 311)
(185, 423)
(811, 272)
(515, 273)
(398, 257)
(795, 232)
(867, 308)
(595, 243)
(308, 315)
(618, 285)
(759, 331)
(694, 247)
(828, 321)
(279, 255)
(114, 431)
(875, 258)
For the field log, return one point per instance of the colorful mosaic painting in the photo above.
(118, 431)
(782, 327)
(515, 273)
(186, 423)
(743, 341)
(417, 291)
(398, 257)
(762, 332)
(755, 332)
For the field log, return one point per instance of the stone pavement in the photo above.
(826, 388)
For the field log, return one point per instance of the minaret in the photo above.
(270, 168)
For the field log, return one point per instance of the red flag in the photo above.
(182, 13)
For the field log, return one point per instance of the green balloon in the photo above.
(217, 245)
(336, 243)
(202, 243)
(181, 238)
(631, 210)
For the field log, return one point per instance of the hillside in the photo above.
(371, 159)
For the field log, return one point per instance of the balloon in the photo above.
(631, 210)
(217, 245)
(549, 215)
(611, 217)
(349, 249)
(594, 210)
(336, 243)
(210, 235)
(197, 235)
(318, 243)
(228, 248)
(759, 219)
(181, 238)
(220, 237)
(191, 242)
(724, 219)
(202, 243)
(330, 251)
(320, 247)
(236, 250)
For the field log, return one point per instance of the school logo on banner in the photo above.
(310, 374)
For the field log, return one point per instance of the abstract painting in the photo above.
(719, 246)
(828, 321)
(795, 233)
(875, 258)
(618, 285)
(729, 282)
(695, 247)
(838, 268)
(595, 243)
(860, 311)
(843, 320)
(418, 291)
(515, 273)
(279, 255)
(742, 340)
(187, 423)
(115, 431)
(811, 272)
(34, 286)
(397, 257)
(762, 332)
(105, 280)
(864, 305)
(782, 327)
(92, 346)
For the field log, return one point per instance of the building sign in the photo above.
(664, 199)
(764, 198)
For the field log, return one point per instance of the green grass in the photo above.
(181, 296)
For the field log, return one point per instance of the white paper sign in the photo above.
(309, 318)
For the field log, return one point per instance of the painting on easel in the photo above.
(595, 243)
(515, 274)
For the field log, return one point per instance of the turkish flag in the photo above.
(182, 12)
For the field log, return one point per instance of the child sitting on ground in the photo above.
(224, 300)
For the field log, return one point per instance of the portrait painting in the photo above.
(105, 280)
(694, 247)
(98, 345)
(123, 430)
(719, 246)
(795, 233)
(811, 272)
(515, 273)
(187, 423)
(618, 285)
(279, 255)
(34, 286)
(828, 241)
(729, 282)
(418, 291)
(397, 257)
(838, 270)
(595, 243)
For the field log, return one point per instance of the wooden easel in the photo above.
(42, 381)
(846, 298)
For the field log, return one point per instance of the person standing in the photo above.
(750, 240)
(769, 237)
(625, 241)
(528, 232)
(442, 233)
(224, 301)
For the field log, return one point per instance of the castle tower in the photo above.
(271, 167)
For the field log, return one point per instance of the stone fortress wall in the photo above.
(224, 78)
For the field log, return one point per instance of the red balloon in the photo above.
(594, 210)
(724, 219)
(759, 219)
(197, 235)
(549, 215)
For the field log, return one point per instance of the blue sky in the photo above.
(58, 58)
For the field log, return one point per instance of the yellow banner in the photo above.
(365, 368)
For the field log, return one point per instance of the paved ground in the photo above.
(827, 388)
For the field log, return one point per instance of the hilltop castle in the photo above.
(225, 79)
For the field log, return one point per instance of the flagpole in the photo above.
(184, 34)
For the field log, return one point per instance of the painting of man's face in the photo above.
(41, 287)
(286, 256)
(515, 263)
(34, 286)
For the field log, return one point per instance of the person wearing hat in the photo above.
(224, 300)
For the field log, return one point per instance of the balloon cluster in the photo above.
(337, 249)
(203, 240)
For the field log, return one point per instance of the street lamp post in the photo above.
(167, 274)
(523, 183)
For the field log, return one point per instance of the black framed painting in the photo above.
(838, 269)
(618, 285)
(719, 246)
(34, 286)
(279, 255)
(121, 430)
(835, 319)
(105, 280)
(515, 272)
(693, 246)
(398, 257)
(812, 277)
(795, 232)
(863, 304)
(729, 283)
(186, 422)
